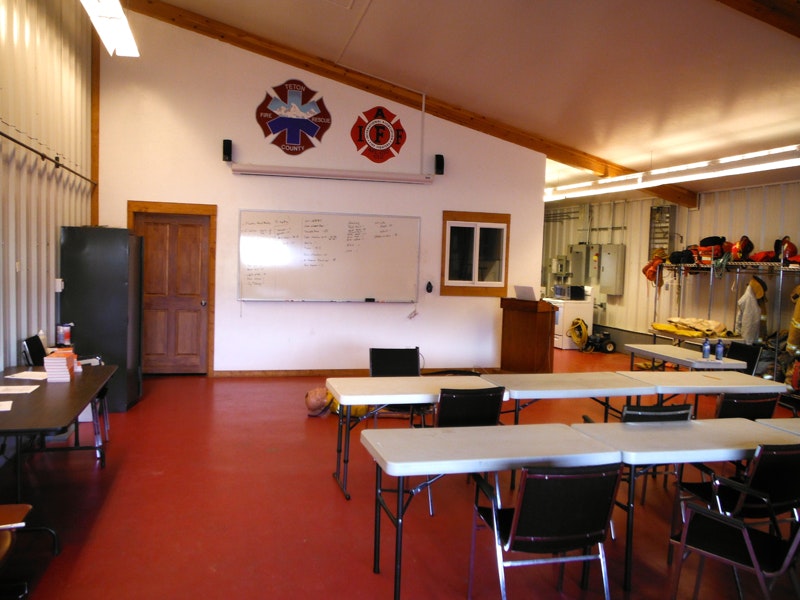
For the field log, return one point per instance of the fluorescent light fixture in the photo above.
(312, 173)
(753, 162)
(112, 26)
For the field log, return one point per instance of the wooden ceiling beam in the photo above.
(783, 14)
(572, 157)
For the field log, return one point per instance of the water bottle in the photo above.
(706, 350)
(719, 350)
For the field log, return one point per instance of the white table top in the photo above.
(704, 382)
(398, 390)
(685, 357)
(789, 424)
(700, 440)
(446, 450)
(569, 385)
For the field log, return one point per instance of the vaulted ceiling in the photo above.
(602, 87)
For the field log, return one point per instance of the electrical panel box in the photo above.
(594, 264)
(579, 264)
(612, 269)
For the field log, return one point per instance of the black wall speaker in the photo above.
(439, 164)
(227, 150)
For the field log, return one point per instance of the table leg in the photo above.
(396, 519)
(376, 551)
(398, 541)
(341, 460)
(18, 466)
(629, 532)
(98, 438)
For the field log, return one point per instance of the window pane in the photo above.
(490, 254)
(462, 244)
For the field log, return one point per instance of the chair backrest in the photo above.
(469, 408)
(33, 351)
(666, 412)
(746, 406)
(746, 352)
(563, 508)
(393, 362)
(775, 471)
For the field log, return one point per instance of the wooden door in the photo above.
(175, 292)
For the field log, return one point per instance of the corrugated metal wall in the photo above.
(45, 116)
(764, 214)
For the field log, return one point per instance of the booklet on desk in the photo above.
(60, 365)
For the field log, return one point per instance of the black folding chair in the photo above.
(398, 362)
(560, 512)
(721, 537)
(466, 408)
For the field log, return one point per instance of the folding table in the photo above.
(380, 392)
(704, 382)
(790, 424)
(599, 386)
(447, 450)
(685, 357)
(700, 440)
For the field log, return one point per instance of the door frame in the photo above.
(210, 211)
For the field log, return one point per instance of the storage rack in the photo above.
(774, 270)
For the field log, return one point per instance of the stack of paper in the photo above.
(60, 365)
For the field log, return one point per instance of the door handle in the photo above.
(203, 302)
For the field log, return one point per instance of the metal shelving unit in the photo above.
(774, 271)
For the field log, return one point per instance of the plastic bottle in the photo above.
(719, 350)
(706, 350)
(43, 337)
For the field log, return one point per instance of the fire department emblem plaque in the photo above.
(378, 134)
(295, 116)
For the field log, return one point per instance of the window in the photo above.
(474, 253)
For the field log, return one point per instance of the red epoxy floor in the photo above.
(223, 488)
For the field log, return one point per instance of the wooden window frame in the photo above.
(474, 288)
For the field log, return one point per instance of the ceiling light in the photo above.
(752, 162)
(315, 173)
(112, 26)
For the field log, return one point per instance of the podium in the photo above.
(527, 338)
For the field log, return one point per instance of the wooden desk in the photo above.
(380, 392)
(527, 335)
(684, 357)
(599, 386)
(407, 452)
(701, 440)
(52, 407)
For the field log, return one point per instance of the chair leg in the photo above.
(700, 566)
(475, 523)
(501, 571)
(604, 569)
(560, 585)
(104, 406)
(14, 591)
(47, 530)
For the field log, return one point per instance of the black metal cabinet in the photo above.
(102, 271)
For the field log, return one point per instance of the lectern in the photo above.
(527, 343)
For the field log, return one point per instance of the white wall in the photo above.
(162, 121)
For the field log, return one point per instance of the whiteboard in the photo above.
(328, 257)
